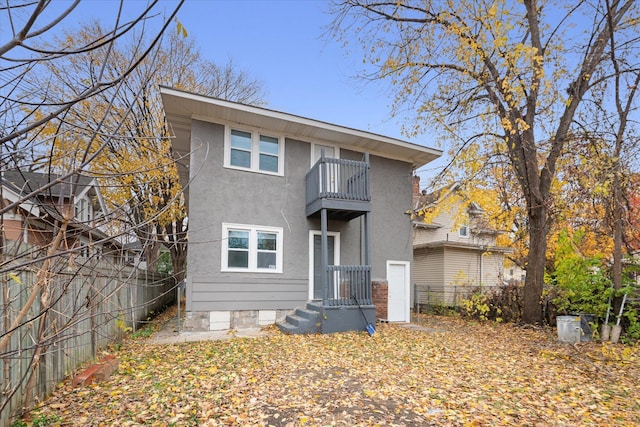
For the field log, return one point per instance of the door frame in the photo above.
(336, 254)
(336, 151)
(407, 289)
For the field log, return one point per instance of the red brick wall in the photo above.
(380, 294)
(416, 185)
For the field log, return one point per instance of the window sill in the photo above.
(246, 270)
(238, 168)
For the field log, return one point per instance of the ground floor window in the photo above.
(251, 248)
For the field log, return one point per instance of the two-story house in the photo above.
(289, 213)
(39, 199)
(454, 252)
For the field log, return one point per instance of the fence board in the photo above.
(88, 302)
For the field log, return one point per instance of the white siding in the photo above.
(428, 268)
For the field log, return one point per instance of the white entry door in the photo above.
(398, 279)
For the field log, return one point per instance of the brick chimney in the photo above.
(416, 185)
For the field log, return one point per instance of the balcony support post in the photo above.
(324, 256)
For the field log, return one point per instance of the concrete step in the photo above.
(296, 320)
(311, 315)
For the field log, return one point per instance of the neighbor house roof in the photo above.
(181, 107)
(26, 182)
(19, 184)
(462, 245)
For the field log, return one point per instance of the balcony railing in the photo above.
(348, 285)
(338, 179)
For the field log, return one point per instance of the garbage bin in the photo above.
(569, 329)
(585, 326)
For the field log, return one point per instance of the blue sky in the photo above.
(285, 45)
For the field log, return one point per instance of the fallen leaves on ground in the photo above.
(458, 374)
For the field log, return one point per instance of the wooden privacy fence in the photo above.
(79, 311)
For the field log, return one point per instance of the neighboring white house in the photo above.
(456, 252)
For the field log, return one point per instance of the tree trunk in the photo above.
(534, 281)
(179, 260)
(617, 235)
(151, 254)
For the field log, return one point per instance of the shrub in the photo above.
(501, 304)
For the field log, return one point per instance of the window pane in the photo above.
(267, 241)
(241, 158)
(241, 140)
(238, 239)
(267, 260)
(238, 259)
(268, 145)
(268, 163)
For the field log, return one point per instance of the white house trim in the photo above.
(255, 148)
(252, 249)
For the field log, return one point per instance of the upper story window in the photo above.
(251, 248)
(84, 210)
(463, 231)
(254, 151)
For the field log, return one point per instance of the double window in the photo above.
(253, 151)
(251, 248)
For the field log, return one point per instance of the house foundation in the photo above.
(203, 321)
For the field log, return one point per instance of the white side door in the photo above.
(398, 277)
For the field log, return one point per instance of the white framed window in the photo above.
(251, 248)
(463, 231)
(83, 210)
(254, 151)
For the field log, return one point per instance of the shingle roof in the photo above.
(24, 182)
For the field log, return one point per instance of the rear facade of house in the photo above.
(276, 202)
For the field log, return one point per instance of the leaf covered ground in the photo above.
(458, 373)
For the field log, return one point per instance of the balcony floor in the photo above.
(344, 210)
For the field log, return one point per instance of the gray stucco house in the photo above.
(289, 213)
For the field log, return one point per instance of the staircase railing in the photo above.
(348, 285)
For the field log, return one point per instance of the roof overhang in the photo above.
(24, 204)
(462, 245)
(427, 225)
(181, 107)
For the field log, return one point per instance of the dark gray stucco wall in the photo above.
(391, 186)
(219, 195)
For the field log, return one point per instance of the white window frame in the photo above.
(84, 209)
(466, 234)
(253, 248)
(255, 150)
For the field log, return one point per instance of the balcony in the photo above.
(341, 186)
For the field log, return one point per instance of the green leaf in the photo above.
(15, 278)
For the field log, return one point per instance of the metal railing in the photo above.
(338, 179)
(348, 285)
(427, 298)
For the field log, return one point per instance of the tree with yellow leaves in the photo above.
(137, 169)
(510, 75)
(58, 122)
